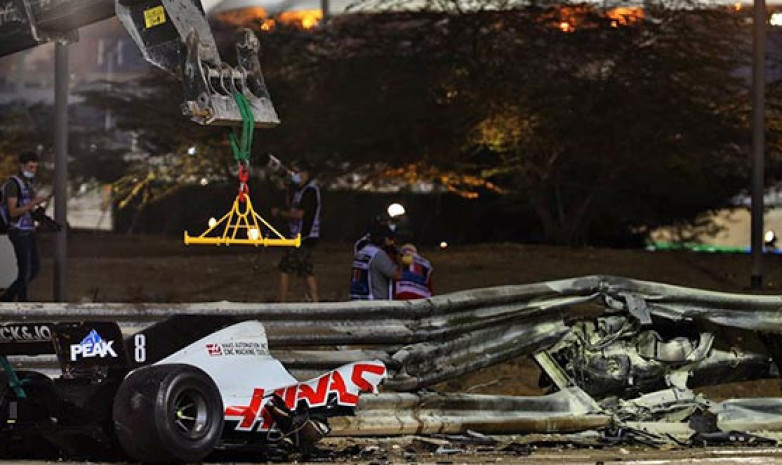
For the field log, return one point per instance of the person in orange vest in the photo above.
(416, 279)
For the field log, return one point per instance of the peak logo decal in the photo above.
(92, 346)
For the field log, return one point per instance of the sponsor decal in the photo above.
(346, 383)
(214, 350)
(25, 333)
(92, 346)
(236, 348)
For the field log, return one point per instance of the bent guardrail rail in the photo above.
(428, 341)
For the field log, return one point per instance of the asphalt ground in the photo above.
(546, 456)
(527, 449)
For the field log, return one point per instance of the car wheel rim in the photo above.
(190, 414)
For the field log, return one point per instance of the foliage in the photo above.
(22, 130)
(604, 123)
(29, 128)
(170, 151)
(620, 128)
(606, 130)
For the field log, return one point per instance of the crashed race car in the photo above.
(177, 391)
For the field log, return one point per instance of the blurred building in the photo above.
(104, 52)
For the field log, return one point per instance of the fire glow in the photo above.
(260, 18)
(570, 18)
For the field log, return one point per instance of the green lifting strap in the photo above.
(241, 147)
(16, 385)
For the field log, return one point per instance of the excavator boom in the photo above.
(172, 34)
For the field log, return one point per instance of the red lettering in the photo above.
(285, 394)
(338, 386)
(290, 396)
(247, 413)
(314, 396)
(332, 382)
(357, 377)
(266, 420)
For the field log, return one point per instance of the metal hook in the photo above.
(225, 79)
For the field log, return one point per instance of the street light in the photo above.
(395, 210)
(759, 19)
(770, 239)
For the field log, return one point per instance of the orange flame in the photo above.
(626, 15)
(267, 24)
(244, 17)
(570, 18)
(307, 19)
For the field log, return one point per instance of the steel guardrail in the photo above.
(428, 341)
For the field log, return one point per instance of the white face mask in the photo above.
(28, 174)
(296, 178)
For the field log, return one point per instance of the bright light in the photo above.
(212, 222)
(267, 24)
(623, 15)
(395, 210)
(253, 234)
(307, 19)
(203, 181)
(564, 26)
(776, 19)
(443, 245)
(192, 151)
(769, 236)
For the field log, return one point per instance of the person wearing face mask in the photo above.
(303, 218)
(396, 221)
(20, 201)
(375, 266)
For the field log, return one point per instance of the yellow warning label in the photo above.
(154, 16)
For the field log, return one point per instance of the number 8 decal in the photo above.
(141, 348)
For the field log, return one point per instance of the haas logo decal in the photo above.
(346, 382)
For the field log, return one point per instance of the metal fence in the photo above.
(428, 341)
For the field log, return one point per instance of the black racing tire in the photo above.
(168, 413)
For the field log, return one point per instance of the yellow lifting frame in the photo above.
(248, 220)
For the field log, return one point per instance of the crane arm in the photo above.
(172, 34)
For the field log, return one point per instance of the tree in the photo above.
(607, 126)
(605, 123)
(22, 129)
(604, 128)
(171, 151)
